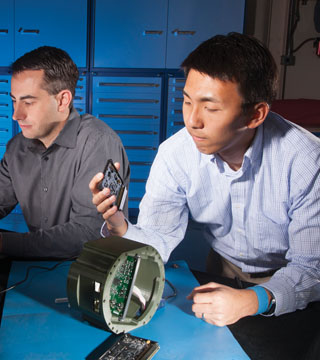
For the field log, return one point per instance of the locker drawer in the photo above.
(149, 85)
(141, 153)
(5, 83)
(138, 138)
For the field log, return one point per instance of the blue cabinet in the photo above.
(57, 23)
(131, 106)
(130, 34)
(26, 25)
(174, 109)
(6, 32)
(158, 33)
(6, 123)
(191, 22)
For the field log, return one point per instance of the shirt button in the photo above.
(45, 189)
(46, 158)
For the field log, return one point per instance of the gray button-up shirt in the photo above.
(51, 186)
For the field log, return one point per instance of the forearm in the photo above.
(61, 241)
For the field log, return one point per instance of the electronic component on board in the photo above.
(125, 347)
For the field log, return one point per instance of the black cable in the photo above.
(303, 42)
(35, 267)
(174, 291)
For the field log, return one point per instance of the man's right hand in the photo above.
(115, 220)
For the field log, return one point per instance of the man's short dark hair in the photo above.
(60, 72)
(238, 58)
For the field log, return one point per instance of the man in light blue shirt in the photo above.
(251, 176)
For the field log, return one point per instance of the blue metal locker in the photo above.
(131, 106)
(57, 23)
(6, 32)
(191, 22)
(6, 125)
(130, 34)
(175, 101)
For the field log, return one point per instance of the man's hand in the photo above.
(115, 220)
(222, 305)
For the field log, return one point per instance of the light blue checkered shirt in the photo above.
(264, 216)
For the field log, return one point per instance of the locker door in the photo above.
(6, 32)
(57, 23)
(130, 34)
(191, 22)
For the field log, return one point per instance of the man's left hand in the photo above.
(222, 305)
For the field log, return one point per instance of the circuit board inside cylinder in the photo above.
(120, 288)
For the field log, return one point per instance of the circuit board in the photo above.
(121, 285)
(129, 347)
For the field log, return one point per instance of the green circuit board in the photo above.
(121, 285)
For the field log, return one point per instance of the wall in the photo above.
(268, 20)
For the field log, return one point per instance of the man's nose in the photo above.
(18, 113)
(195, 119)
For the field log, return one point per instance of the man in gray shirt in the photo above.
(47, 167)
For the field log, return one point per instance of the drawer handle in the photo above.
(4, 81)
(4, 116)
(135, 199)
(140, 148)
(78, 98)
(127, 116)
(176, 111)
(177, 100)
(136, 132)
(178, 123)
(141, 163)
(178, 32)
(129, 84)
(4, 130)
(152, 32)
(79, 109)
(4, 105)
(4, 93)
(148, 101)
(29, 31)
(4, 31)
(138, 180)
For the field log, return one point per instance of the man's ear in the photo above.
(258, 115)
(64, 99)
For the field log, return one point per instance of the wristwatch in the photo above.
(271, 307)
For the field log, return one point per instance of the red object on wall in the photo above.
(304, 112)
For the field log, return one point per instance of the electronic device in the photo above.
(125, 347)
(114, 182)
(116, 283)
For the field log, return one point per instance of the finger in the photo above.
(204, 298)
(202, 308)
(103, 202)
(106, 215)
(210, 285)
(117, 165)
(198, 315)
(203, 288)
(93, 185)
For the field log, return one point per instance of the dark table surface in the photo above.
(293, 336)
(289, 336)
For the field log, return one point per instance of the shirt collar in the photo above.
(68, 135)
(251, 156)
